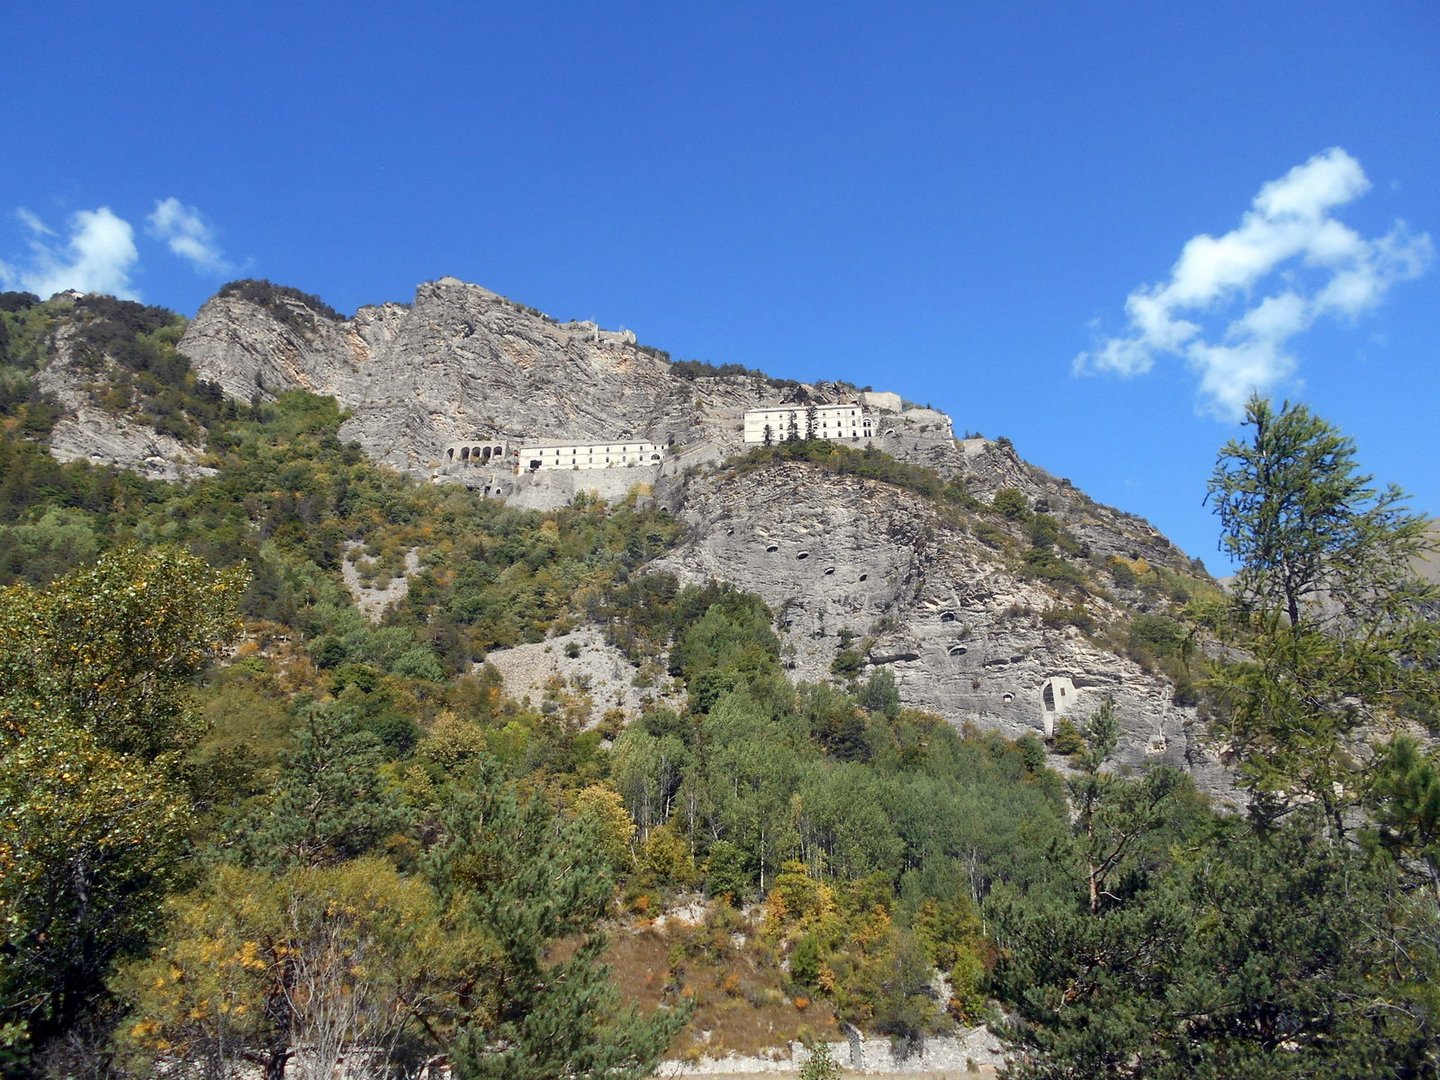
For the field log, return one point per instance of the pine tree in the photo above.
(329, 803)
(527, 881)
(1332, 621)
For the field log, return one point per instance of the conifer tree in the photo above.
(1333, 623)
(528, 880)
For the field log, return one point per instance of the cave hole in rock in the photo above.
(1007, 697)
(958, 650)
(802, 555)
(947, 616)
(772, 547)
(864, 577)
(829, 570)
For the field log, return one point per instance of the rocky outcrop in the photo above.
(858, 564)
(88, 433)
(459, 362)
(583, 671)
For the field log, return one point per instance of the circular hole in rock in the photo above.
(958, 650)
(1007, 697)
(829, 569)
(864, 577)
(772, 547)
(947, 616)
(803, 555)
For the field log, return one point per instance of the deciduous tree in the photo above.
(95, 709)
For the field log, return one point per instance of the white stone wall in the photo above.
(475, 452)
(841, 423)
(1057, 697)
(548, 456)
(882, 399)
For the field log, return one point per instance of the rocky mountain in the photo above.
(1005, 601)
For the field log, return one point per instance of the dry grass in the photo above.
(734, 979)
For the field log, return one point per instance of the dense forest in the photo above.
(245, 830)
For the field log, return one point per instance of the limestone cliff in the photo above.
(81, 378)
(860, 564)
(461, 363)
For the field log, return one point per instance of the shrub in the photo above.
(821, 1064)
(1068, 738)
(1010, 502)
(273, 298)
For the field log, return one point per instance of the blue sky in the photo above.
(1086, 226)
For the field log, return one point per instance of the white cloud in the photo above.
(187, 234)
(98, 255)
(33, 223)
(1232, 303)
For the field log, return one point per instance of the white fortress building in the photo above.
(839, 423)
(539, 457)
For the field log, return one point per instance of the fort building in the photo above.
(839, 423)
(1057, 697)
(545, 456)
(475, 453)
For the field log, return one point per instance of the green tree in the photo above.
(329, 803)
(1011, 502)
(526, 880)
(646, 770)
(1313, 537)
(90, 843)
(1331, 618)
(95, 710)
(1404, 799)
(1234, 953)
(114, 648)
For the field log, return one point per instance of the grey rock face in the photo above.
(458, 363)
(88, 433)
(841, 558)
(462, 363)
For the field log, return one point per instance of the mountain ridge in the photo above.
(1041, 589)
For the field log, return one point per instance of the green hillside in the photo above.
(240, 820)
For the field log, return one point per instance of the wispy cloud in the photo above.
(1233, 303)
(187, 234)
(97, 255)
(33, 222)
